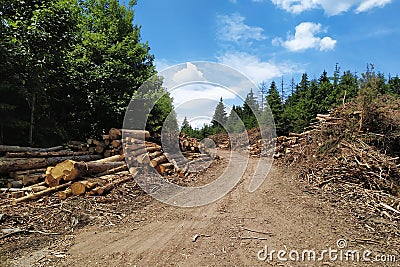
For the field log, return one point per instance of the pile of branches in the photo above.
(333, 152)
(354, 167)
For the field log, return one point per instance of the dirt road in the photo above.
(283, 214)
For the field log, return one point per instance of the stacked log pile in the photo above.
(187, 143)
(33, 173)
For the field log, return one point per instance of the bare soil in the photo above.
(283, 214)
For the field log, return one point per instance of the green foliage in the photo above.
(275, 104)
(69, 68)
(394, 85)
(219, 118)
(110, 63)
(35, 36)
(250, 111)
(154, 100)
(234, 123)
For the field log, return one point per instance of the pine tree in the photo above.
(186, 128)
(394, 85)
(234, 123)
(251, 110)
(276, 107)
(219, 117)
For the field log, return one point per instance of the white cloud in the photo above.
(194, 92)
(233, 29)
(331, 7)
(189, 74)
(327, 43)
(256, 69)
(197, 102)
(305, 38)
(295, 6)
(370, 4)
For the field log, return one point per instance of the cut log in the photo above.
(143, 159)
(65, 194)
(107, 153)
(100, 149)
(41, 193)
(117, 179)
(115, 134)
(146, 157)
(18, 175)
(79, 188)
(121, 168)
(51, 149)
(98, 143)
(157, 161)
(163, 168)
(141, 151)
(136, 134)
(70, 170)
(19, 164)
(31, 179)
(115, 158)
(37, 188)
(116, 143)
(5, 148)
(37, 154)
(155, 154)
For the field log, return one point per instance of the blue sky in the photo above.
(271, 39)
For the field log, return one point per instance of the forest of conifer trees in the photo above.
(307, 98)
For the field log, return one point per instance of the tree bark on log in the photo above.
(43, 154)
(115, 134)
(80, 188)
(115, 158)
(117, 179)
(136, 134)
(51, 149)
(124, 167)
(70, 170)
(41, 193)
(143, 159)
(18, 175)
(19, 164)
(31, 179)
(140, 151)
(158, 160)
(163, 168)
(5, 148)
(65, 194)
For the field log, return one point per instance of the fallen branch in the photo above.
(24, 231)
(40, 194)
(258, 232)
(389, 208)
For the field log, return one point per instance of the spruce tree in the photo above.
(275, 104)
(220, 116)
(186, 128)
